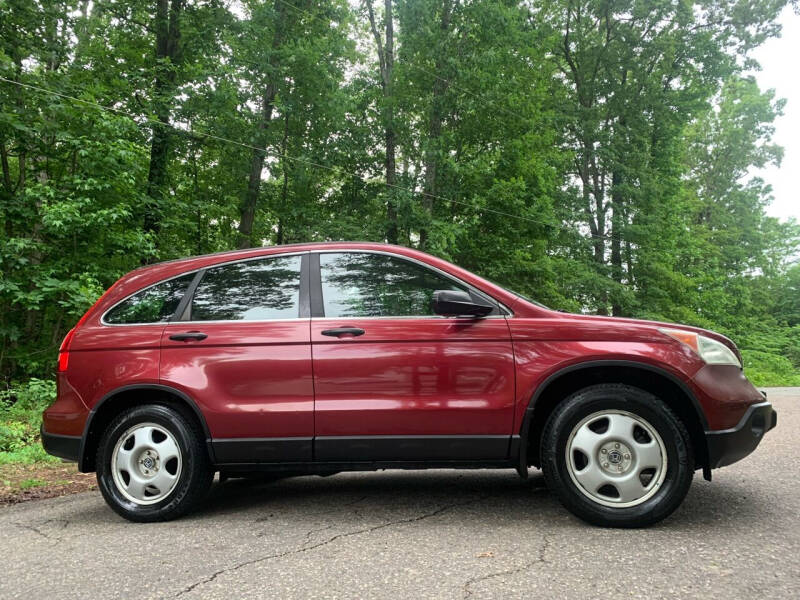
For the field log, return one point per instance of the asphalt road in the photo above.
(434, 534)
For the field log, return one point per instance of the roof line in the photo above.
(276, 246)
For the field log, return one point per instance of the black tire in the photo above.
(195, 476)
(585, 402)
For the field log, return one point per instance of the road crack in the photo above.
(330, 540)
(540, 559)
(354, 502)
(36, 529)
(313, 531)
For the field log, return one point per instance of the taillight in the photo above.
(63, 351)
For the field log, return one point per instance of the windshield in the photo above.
(527, 299)
(523, 296)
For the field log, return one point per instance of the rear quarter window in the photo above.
(155, 304)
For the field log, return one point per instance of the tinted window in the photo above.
(375, 285)
(153, 305)
(254, 290)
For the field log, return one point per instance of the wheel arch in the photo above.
(658, 381)
(129, 396)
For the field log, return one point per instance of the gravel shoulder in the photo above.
(432, 534)
(23, 482)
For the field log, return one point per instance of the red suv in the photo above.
(320, 358)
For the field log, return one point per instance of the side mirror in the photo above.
(455, 303)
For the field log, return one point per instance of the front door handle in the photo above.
(340, 331)
(189, 335)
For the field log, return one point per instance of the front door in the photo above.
(242, 351)
(392, 380)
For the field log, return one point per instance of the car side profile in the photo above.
(321, 358)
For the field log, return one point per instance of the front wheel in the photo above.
(617, 456)
(151, 464)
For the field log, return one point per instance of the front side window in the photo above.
(376, 285)
(253, 290)
(155, 304)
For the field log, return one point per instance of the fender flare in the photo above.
(188, 400)
(522, 466)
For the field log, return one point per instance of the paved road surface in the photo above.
(435, 534)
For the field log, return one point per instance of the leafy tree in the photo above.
(592, 154)
(636, 74)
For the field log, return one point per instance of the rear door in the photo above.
(241, 349)
(392, 380)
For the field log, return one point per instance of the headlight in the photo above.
(711, 351)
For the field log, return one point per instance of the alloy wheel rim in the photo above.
(616, 458)
(146, 463)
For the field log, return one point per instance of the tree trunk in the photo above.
(629, 263)
(250, 203)
(386, 62)
(432, 149)
(600, 238)
(616, 234)
(285, 187)
(168, 52)
(391, 210)
(7, 186)
(248, 212)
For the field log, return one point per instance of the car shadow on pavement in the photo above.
(480, 490)
(485, 495)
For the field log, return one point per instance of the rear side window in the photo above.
(152, 305)
(253, 290)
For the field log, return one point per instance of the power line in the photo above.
(274, 154)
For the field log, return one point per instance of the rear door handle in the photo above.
(189, 335)
(339, 331)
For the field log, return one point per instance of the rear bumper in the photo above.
(62, 446)
(727, 446)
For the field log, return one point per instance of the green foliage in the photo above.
(768, 369)
(28, 455)
(21, 409)
(27, 484)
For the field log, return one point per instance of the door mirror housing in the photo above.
(455, 303)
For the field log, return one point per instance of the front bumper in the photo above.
(62, 446)
(727, 446)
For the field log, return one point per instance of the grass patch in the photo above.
(27, 455)
(21, 407)
(27, 484)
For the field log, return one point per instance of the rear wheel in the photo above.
(617, 456)
(151, 464)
